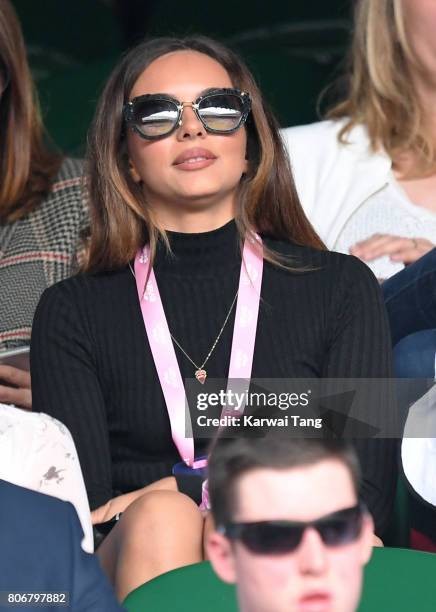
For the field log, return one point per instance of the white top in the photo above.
(37, 452)
(388, 211)
(418, 453)
(335, 180)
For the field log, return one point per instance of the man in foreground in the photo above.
(290, 531)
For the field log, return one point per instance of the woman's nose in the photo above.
(191, 126)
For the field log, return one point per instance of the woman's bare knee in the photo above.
(160, 531)
(168, 523)
(161, 507)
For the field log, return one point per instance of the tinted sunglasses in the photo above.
(221, 111)
(280, 537)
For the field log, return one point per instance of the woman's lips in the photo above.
(194, 159)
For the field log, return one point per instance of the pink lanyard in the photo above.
(162, 348)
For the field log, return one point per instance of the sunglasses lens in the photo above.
(154, 117)
(281, 537)
(271, 539)
(221, 112)
(342, 529)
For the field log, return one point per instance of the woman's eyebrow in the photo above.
(209, 90)
(203, 92)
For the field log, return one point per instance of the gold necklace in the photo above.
(200, 372)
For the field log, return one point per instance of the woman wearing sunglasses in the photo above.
(370, 190)
(201, 266)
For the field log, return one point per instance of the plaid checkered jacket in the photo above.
(39, 250)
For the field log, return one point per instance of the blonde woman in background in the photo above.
(366, 177)
(368, 183)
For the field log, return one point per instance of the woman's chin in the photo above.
(202, 200)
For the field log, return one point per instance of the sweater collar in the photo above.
(197, 254)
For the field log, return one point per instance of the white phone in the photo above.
(17, 358)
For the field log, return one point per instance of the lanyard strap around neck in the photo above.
(162, 348)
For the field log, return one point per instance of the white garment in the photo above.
(335, 180)
(37, 452)
(418, 453)
(389, 211)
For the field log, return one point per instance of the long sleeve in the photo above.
(39, 250)
(40, 552)
(65, 385)
(92, 366)
(360, 347)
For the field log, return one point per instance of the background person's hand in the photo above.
(15, 387)
(397, 248)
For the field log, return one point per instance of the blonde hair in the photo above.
(380, 93)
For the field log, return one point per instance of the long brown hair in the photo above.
(120, 221)
(27, 167)
(379, 85)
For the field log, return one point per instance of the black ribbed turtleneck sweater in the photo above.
(92, 366)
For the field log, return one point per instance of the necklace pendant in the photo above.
(201, 376)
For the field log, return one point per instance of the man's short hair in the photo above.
(230, 458)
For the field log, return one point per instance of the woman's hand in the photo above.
(119, 504)
(106, 512)
(397, 248)
(17, 389)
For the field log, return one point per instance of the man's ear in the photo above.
(220, 553)
(367, 538)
